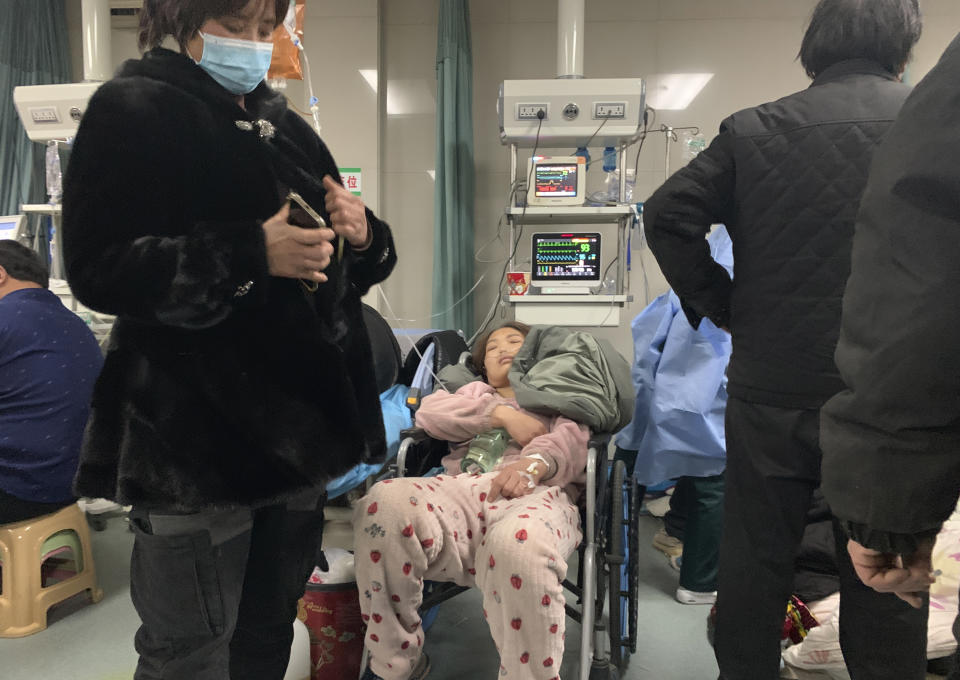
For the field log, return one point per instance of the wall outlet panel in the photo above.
(620, 100)
(44, 114)
(610, 110)
(530, 111)
(52, 111)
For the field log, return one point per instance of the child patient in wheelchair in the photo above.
(508, 531)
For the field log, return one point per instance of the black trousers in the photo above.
(773, 466)
(217, 590)
(13, 509)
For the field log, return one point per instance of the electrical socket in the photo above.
(44, 114)
(603, 110)
(530, 111)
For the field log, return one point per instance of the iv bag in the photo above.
(286, 53)
(54, 176)
(692, 144)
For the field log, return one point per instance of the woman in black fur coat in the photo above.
(239, 375)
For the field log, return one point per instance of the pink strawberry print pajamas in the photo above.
(445, 528)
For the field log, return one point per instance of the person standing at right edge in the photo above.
(786, 179)
(891, 440)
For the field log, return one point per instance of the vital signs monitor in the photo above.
(565, 264)
(557, 180)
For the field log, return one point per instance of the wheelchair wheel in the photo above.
(604, 672)
(633, 563)
(614, 560)
(603, 537)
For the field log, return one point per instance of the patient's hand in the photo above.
(521, 427)
(517, 479)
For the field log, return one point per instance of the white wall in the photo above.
(751, 46)
(409, 149)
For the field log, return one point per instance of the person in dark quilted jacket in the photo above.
(891, 440)
(786, 179)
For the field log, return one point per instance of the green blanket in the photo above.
(571, 373)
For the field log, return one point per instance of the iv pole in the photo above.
(670, 135)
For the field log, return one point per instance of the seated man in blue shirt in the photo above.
(49, 361)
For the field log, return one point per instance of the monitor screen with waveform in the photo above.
(556, 179)
(566, 258)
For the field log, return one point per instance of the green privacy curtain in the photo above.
(453, 205)
(33, 51)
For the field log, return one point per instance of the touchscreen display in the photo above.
(556, 179)
(566, 257)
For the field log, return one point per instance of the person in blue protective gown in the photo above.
(677, 431)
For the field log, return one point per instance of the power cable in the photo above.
(503, 274)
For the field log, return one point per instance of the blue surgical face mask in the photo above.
(238, 65)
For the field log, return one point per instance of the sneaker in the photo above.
(667, 544)
(420, 671)
(658, 507)
(685, 596)
(98, 506)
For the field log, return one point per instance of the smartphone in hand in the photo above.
(301, 214)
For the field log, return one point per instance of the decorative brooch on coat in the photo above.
(266, 128)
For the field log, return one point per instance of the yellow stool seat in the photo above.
(23, 546)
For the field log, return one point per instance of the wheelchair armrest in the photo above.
(417, 434)
(599, 441)
(408, 437)
(597, 466)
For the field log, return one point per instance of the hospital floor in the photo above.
(95, 642)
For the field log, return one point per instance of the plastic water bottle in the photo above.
(636, 231)
(485, 451)
(609, 159)
(54, 177)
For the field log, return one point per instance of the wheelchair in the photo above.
(607, 577)
(608, 569)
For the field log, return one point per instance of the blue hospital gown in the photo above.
(680, 378)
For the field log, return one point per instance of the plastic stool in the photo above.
(23, 547)
(61, 541)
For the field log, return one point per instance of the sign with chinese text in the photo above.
(352, 180)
